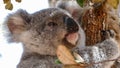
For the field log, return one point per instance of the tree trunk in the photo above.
(94, 24)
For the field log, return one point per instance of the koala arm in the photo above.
(107, 50)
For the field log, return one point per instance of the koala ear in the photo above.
(71, 6)
(18, 21)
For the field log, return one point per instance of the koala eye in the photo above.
(52, 24)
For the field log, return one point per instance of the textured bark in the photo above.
(94, 23)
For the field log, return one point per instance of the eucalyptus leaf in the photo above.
(80, 2)
(78, 57)
(57, 61)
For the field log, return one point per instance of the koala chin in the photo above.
(41, 33)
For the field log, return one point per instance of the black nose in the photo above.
(71, 25)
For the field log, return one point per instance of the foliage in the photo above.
(9, 5)
(57, 61)
(80, 2)
(113, 3)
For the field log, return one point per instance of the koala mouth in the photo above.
(71, 39)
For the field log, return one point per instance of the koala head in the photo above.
(42, 31)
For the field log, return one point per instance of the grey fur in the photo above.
(40, 40)
(100, 53)
(40, 33)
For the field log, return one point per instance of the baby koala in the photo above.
(41, 33)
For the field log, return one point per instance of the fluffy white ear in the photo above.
(72, 7)
(17, 22)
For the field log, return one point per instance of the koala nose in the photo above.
(71, 25)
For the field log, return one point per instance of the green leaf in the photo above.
(80, 2)
(57, 61)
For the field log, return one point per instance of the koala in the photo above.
(108, 49)
(41, 33)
